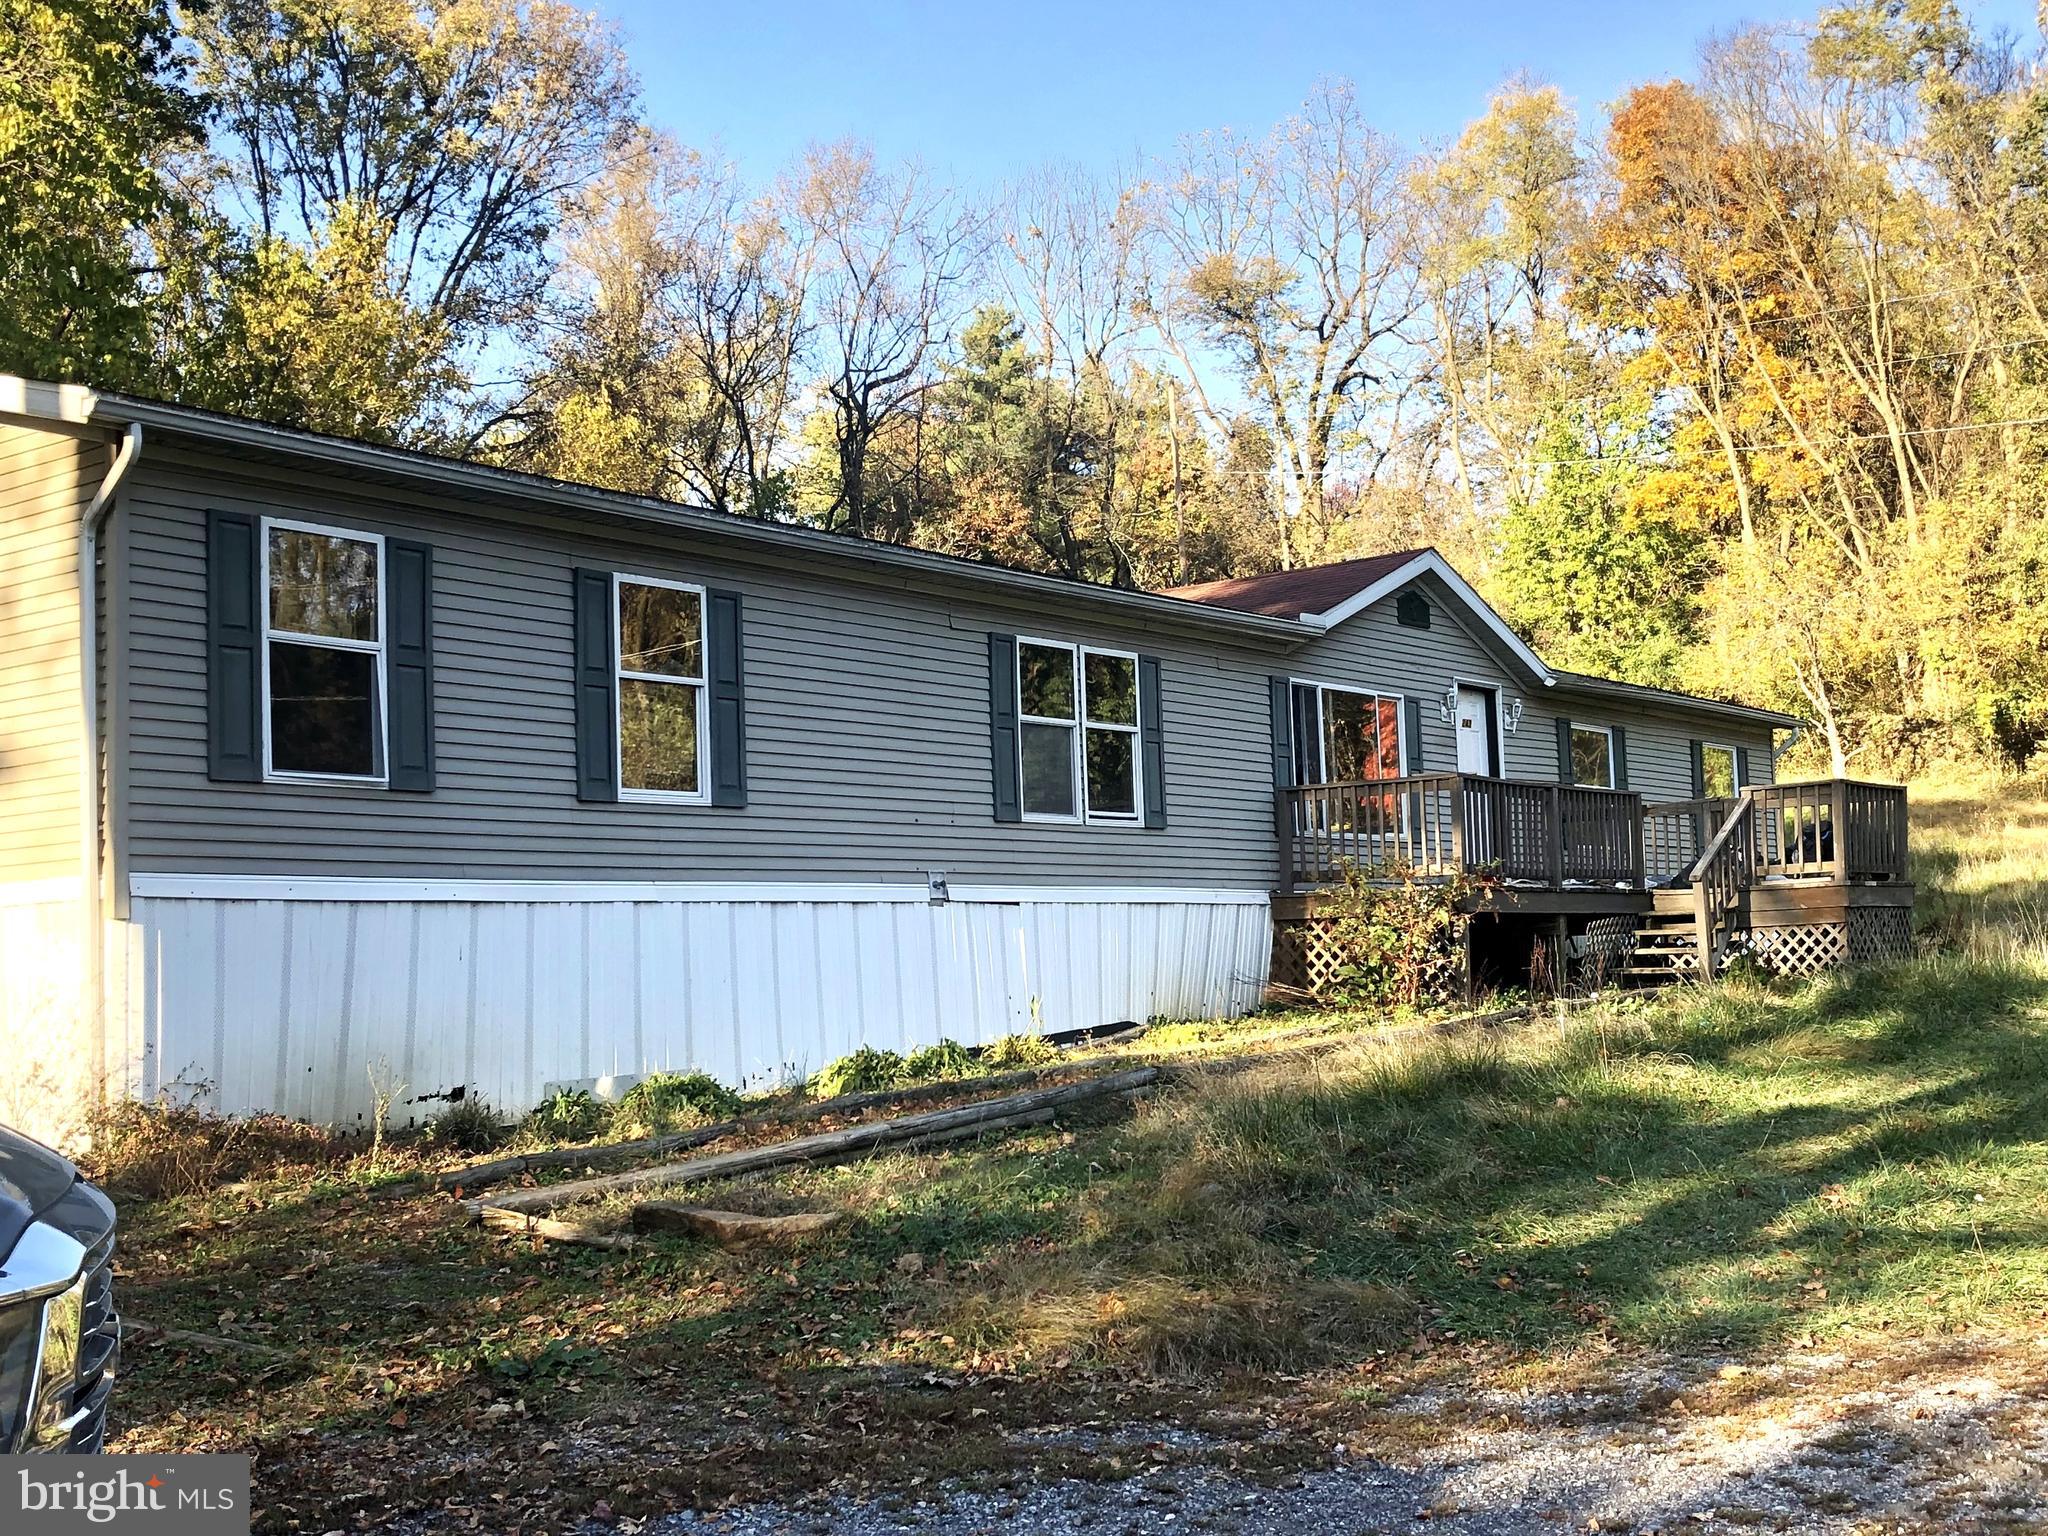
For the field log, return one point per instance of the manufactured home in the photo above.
(329, 770)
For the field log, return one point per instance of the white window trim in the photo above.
(1575, 726)
(1134, 730)
(1734, 763)
(1078, 728)
(1322, 686)
(702, 683)
(382, 746)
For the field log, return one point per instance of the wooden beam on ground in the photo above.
(982, 1128)
(478, 1176)
(581, 1232)
(823, 1147)
(731, 1229)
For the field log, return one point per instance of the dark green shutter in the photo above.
(1152, 741)
(1741, 766)
(1698, 749)
(597, 683)
(1617, 739)
(1283, 732)
(409, 588)
(234, 648)
(1411, 732)
(1564, 751)
(728, 700)
(1002, 727)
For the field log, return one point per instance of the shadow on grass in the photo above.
(1734, 1166)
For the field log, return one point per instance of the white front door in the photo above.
(1475, 732)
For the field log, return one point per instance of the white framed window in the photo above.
(1077, 733)
(1346, 735)
(1592, 756)
(323, 654)
(1109, 735)
(1717, 771)
(659, 716)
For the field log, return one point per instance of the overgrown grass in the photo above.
(1980, 860)
(1733, 1168)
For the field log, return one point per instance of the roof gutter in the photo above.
(480, 480)
(1684, 703)
(91, 907)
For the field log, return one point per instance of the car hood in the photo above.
(33, 1179)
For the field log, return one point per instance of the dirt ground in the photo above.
(1948, 1436)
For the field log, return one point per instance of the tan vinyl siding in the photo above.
(46, 478)
(867, 722)
(1372, 650)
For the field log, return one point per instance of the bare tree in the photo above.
(894, 255)
(677, 327)
(1292, 257)
(1073, 276)
(1497, 212)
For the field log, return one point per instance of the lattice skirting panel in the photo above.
(1303, 956)
(1800, 949)
(1861, 936)
(1878, 934)
(1609, 943)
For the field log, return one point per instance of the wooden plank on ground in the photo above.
(731, 1229)
(823, 1147)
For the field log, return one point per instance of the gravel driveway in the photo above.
(1819, 1442)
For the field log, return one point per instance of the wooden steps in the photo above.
(1667, 942)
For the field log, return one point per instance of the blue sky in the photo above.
(981, 92)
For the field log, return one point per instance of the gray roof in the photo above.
(1582, 682)
(464, 478)
(407, 467)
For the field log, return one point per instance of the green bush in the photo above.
(468, 1126)
(866, 1070)
(570, 1114)
(1014, 1051)
(1397, 938)
(672, 1101)
(937, 1063)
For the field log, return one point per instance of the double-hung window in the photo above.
(1592, 748)
(661, 688)
(1077, 718)
(1717, 771)
(323, 653)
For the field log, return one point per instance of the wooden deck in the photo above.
(1811, 873)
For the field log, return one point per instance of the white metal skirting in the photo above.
(49, 1066)
(295, 1005)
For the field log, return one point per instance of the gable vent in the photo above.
(1412, 609)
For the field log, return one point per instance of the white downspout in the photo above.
(93, 911)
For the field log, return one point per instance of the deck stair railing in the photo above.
(1719, 879)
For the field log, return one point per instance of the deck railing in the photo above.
(1836, 830)
(1437, 823)
(1558, 835)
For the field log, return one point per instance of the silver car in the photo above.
(60, 1341)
